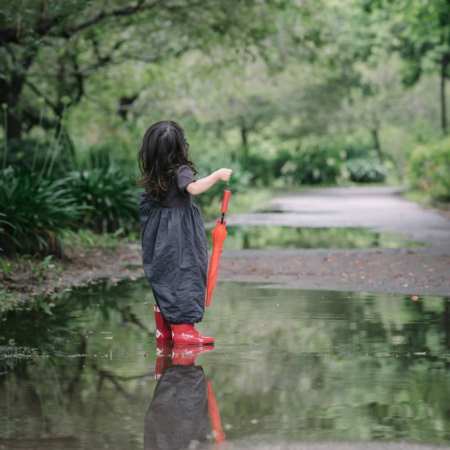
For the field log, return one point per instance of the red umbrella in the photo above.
(219, 234)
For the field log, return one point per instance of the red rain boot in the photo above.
(163, 332)
(185, 334)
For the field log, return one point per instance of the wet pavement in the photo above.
(382, 209)
(291, 369)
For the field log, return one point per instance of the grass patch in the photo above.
(426, 200)
(87, 239)
(36, 267)
(8, 301)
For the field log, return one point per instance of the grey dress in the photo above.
(175, 250)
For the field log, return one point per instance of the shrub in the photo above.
(363, 170)
(33, 212)
(312, 163)
(429, 169)
(259, 169)
(108, 196)
(51, 157)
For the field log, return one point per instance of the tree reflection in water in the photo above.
(293, 365)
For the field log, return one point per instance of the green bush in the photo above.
(363, 170)
(429, 169)
(108, 196)
(320, 161)
(259, 169)
(316, 162)
(33, 211)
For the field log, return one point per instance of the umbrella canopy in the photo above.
(219, 234)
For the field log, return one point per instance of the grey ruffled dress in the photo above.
(175, 250)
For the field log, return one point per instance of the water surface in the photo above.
(276, 237)
(291, 369)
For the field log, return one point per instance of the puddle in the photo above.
(291, 368)
(273, 237)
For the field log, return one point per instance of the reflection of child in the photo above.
(184, 408)
(174, 244)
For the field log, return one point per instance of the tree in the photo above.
(420, 33)
(49, 49)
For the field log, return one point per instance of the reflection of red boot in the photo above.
(185, 356)
(163, 360)
(163, 332)
(185, 334)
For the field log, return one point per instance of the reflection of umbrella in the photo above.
(214, 416)
(219, 234)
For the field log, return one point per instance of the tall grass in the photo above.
(33, 211)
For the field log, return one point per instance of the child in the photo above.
(174, 244)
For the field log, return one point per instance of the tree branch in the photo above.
(125, 11)
(45, 27)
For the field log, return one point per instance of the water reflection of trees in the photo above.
(329, 366)
(255, 237)
(292, 364)
(54, 364)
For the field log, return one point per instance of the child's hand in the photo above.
(224, 174)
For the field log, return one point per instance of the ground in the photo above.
(414, 271)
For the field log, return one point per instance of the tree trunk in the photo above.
(13, 126)
(244, 139)
(11, 89)
(443, 95)
(376, 143)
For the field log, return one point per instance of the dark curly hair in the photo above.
(164, 148)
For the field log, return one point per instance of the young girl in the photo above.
(174, 244)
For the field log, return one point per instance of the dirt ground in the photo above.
(413, 271)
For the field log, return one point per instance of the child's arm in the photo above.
(203, 184)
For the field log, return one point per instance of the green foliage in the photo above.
(48, 157)
(429, 169)
(108, 196)
(85, 238)
(361, 170)
(318, 163)
(33, 212)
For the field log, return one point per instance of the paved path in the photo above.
(377, 208)
(411, 271)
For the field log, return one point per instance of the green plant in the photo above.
(318, 163)
(84, 238)
(429, 169)
(48, 157)
(362, 170)
(34, 210)
(108, 196)
(39, 269)
(6, 267)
